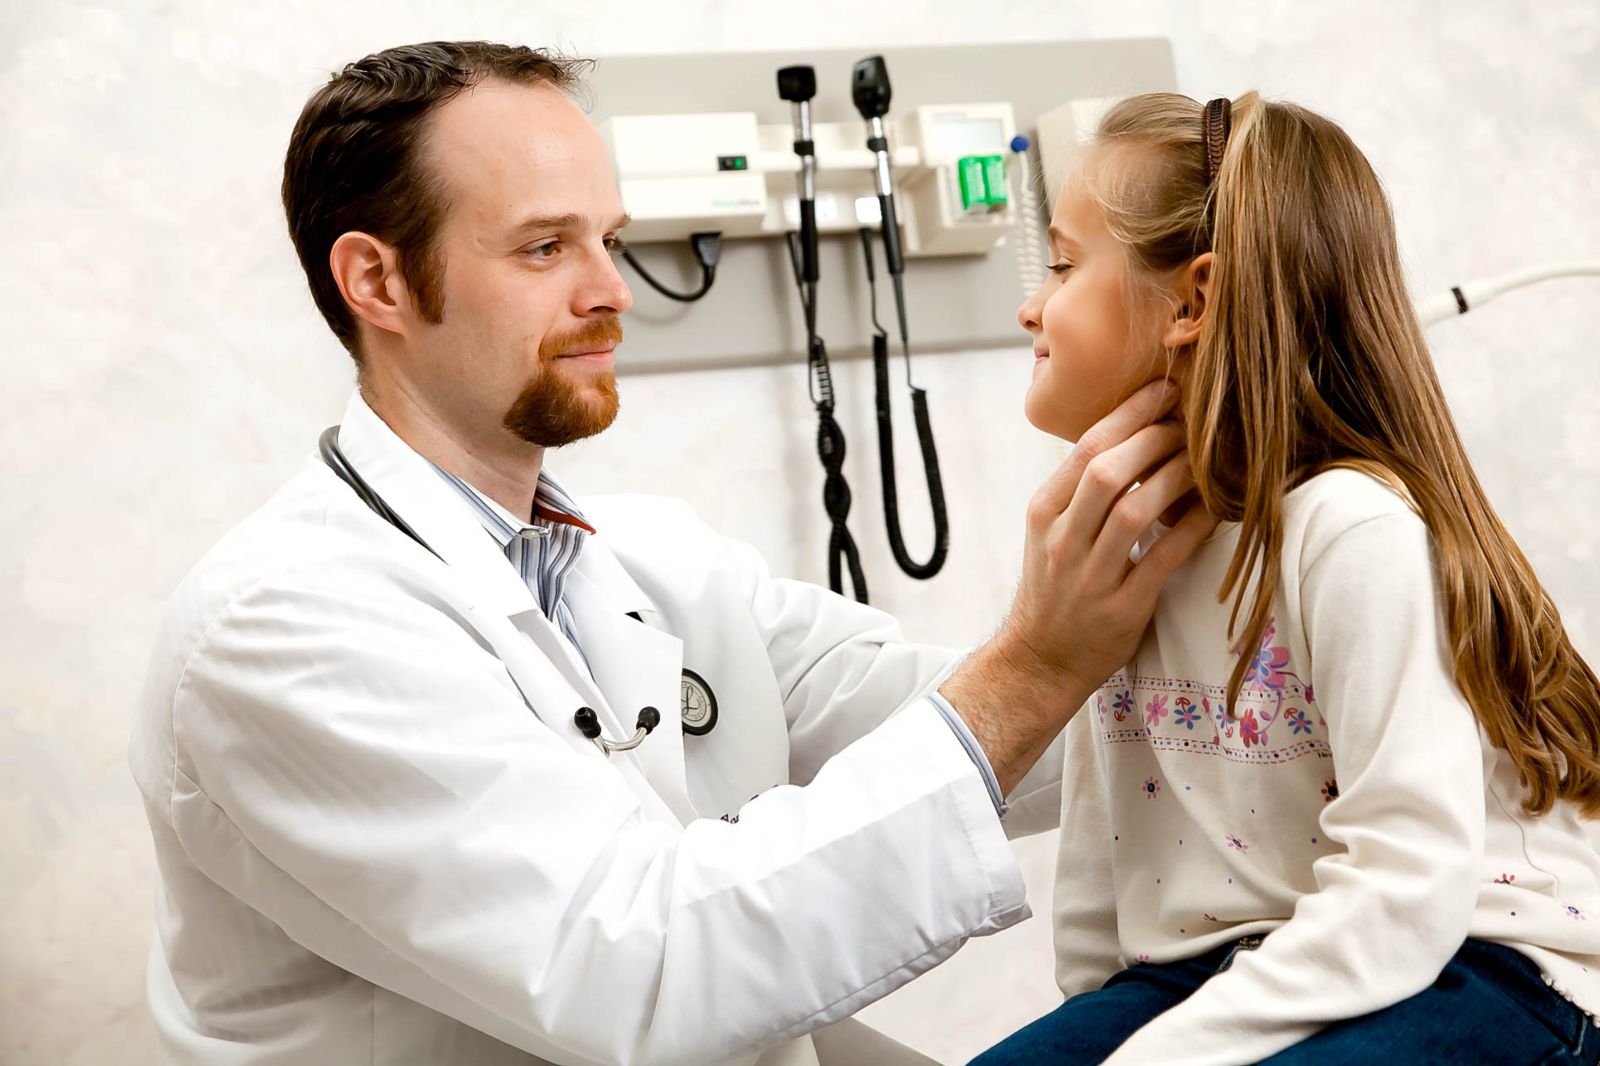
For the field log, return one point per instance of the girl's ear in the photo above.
(1193, 292)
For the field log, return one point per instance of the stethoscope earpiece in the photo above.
(588, 724)
(585, 719)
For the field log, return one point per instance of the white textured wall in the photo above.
(164, 370)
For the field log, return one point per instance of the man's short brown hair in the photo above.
(354, 161)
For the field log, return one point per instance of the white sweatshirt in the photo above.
(1352, 807)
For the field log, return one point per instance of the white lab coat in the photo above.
(372, 850)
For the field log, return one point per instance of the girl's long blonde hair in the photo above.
(1311, 356)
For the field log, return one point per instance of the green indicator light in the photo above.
(969, 174)
(994, 180)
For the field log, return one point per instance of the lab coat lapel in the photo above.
(409, 484)
(634, 664)
(480, 571)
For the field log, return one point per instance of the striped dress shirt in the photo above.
(543, 550)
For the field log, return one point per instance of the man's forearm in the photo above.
(1014, 708)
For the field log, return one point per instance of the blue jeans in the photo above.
(1490, 1005)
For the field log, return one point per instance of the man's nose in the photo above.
(605, 291)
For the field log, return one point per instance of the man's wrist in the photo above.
(1014, 704)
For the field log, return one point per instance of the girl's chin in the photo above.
(1052, 420)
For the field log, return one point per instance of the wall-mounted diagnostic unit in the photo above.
(724, 171)
(703, 144)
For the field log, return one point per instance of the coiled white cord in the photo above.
(1032, 259)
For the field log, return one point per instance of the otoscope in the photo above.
(869, 88)
(798, 85)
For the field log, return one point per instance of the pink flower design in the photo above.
(1575, 914)
(1330, 790)
(1236, 844)
(1152, 788)
(1505, 879)
(1141, 957)
(1250, 730)
(1154, 711)
(1267, 669)
(1209, 918)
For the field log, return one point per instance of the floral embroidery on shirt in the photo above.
(1575, 914)
(1236, 844)
(1267, 669)
(1252, 731)
(1330, 790)
(1152, 788)
(1176, 712)
(1505, 879)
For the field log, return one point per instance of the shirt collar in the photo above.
(551, 506)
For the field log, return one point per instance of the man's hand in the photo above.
(1082, 604)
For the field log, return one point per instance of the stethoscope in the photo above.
(699, 705)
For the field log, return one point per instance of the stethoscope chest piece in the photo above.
(699, 705)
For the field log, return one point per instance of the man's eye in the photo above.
(543, 251)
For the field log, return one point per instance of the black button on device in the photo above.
(733, 162)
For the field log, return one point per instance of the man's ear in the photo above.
(1193, 291)
(367, 271)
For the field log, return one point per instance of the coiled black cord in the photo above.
(842, 551)
(919, 410)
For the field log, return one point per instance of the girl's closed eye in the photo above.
(1060, 268)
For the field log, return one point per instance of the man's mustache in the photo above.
(604, 332)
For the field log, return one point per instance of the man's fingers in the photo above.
(1108, 477)
(1151, 403)
(1135, 512)
(1169, 552)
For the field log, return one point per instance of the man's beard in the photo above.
(555, 408)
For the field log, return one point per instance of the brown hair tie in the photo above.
(1215, 127)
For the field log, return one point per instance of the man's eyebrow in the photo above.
(570, 220)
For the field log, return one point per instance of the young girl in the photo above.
(1330, 812)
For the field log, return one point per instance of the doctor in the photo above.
(388, 830)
